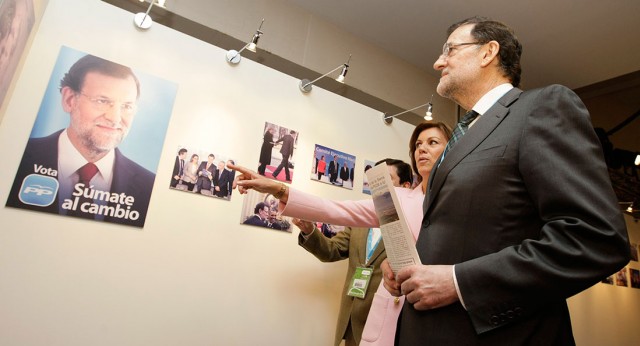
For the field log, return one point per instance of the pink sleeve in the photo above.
(344, 213)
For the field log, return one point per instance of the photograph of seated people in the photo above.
(426, 144)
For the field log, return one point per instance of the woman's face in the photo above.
(429, 146)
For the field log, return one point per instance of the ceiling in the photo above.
(562, 38)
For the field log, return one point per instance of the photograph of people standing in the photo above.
(276, 152)
(333, 167)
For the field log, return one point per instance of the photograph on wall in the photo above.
(16, 21)
(276, 153)
(634, 251)
(608, 280)
(202, 172)
(365, 182)
(621, 277)
(94, 148)
(333, 167)
(261, 209)
(635, 277)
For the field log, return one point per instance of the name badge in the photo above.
(360, 282)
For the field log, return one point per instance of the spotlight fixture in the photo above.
(306, 85)
(387, 119)
(233, 56)
(142, 19)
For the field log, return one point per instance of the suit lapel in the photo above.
(476, 134)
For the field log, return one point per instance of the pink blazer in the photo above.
(380, 328)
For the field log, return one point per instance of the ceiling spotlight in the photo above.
(428, 115)
(142, 19)
(233, 56)
(306, 85)
(388, 119)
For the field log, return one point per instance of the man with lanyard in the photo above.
(365, 251)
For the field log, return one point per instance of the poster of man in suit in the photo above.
(334, 167)
(94, 147)
(276, 152)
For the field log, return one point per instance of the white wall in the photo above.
(193, 275)
(608, 314)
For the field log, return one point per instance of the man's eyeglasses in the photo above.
(448, 47)
(104, 104)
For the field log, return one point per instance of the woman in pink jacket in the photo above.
(425, 146)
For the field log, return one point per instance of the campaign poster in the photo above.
(276, 159)
(94, 148)
(261, 210)
(202, 172)
(16, 21)
(333, 167)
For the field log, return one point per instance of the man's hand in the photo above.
(306, 227)
(427, 286)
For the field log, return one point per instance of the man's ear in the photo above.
(406, 185)
(68, 99)
(490, 53)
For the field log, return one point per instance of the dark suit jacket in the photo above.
(176, 167)
(287, 146)
(524, 208)
(176, 171)
(344, 173)
(265, 150)
(128, 178)
(224, 182)
(256, 221)
(351, 244)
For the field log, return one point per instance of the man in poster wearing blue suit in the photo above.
(79, 171)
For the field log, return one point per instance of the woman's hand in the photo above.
(248, 179)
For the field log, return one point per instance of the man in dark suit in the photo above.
(260, 215)
(287, 152)
(178, 167)
(80, 169)
(344, 173)
(520, 213)
(225, 180)
(333, 169)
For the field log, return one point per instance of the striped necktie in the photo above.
(459, 131)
